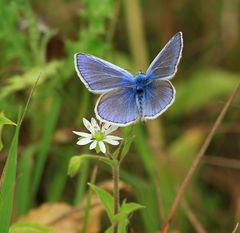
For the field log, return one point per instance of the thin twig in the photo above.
(235, 229)
(222, 162)
(192, 217)
(198, 159)
(159, 197)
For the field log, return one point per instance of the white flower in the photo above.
(99, 134)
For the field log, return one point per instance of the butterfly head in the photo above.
(140, 82)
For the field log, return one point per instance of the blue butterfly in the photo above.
(124, 98)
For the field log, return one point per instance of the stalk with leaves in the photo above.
(98, 138)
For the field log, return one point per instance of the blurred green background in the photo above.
(42, 36)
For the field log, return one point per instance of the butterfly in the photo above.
(125, 98)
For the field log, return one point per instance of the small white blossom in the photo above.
(99, 134)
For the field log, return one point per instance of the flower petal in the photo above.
(105, 127)
(82, 134)
(88, 125)
(111, 129)
(93, 145)
(102, 147)
(84, 141)
(113, 137)
(112, 142)
(95, 124)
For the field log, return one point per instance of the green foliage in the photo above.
(126, 147)
(29, 227)
(128, 140)
(49, 128)
(90, 39)
(55, 187)
(4, 121)
(122, 228)
(125, 210)
(106, 199)
(27, 80)
(7, 187)
(82, 181)
(203, 87)
(24, 180)
(29, 48)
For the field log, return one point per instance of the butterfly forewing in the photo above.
(100, 76)
(164, 66)
(118, 107)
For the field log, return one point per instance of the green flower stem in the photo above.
(115, 170)
(88, 203)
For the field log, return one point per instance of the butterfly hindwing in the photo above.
(157, 98)
(117, 107)
(164, 66)
(100, 76)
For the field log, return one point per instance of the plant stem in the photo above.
(88, 201)
(115, 170)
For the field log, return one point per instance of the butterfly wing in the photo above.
(164, 66)
(100, 76)
(117, 107)
(157, 98)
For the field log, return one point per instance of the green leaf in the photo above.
(8, 181)
(109, 230)
(106, 199)
(29, 227)
(125, 210)
(122, 228)
(128, 140)
(5, 121)
(126, 147)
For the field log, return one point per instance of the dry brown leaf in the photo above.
(64, 218)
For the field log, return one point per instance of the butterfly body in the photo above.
(126, 98)
(141, 85)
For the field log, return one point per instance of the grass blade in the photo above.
(56, 184)
(9, 173)
(23, 181)
(8, 181)
(81, 184)
(50, 124)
